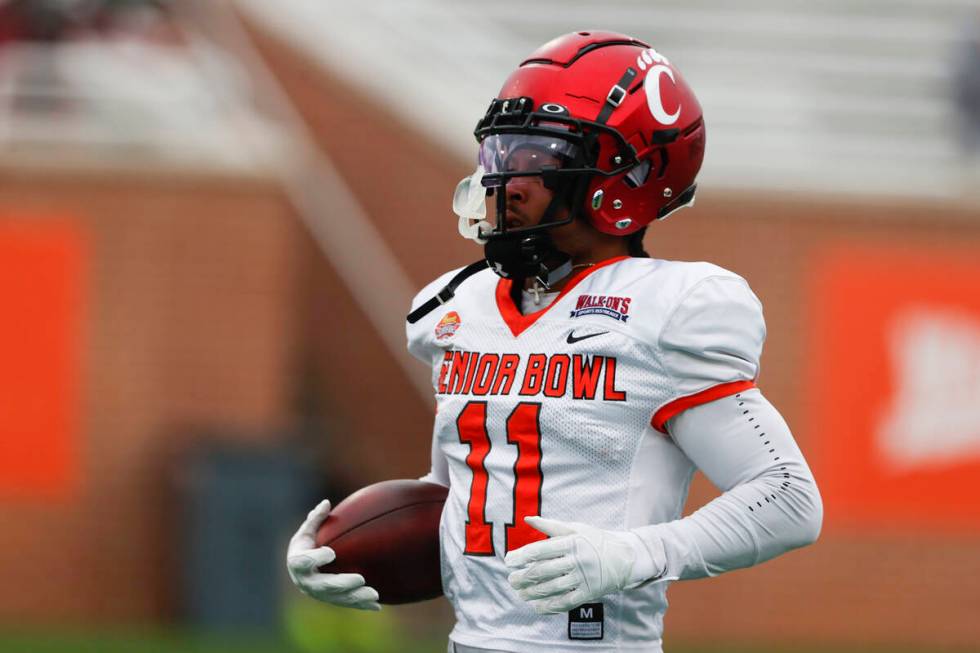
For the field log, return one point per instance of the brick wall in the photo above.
(190, 305)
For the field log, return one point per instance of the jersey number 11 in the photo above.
(524, 430)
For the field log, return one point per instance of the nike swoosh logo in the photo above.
(572, 339)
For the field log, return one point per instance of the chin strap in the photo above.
(448, 291)
(556, 275)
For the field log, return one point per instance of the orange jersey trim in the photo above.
(517, 321)
(678, 406)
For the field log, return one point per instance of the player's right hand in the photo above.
(303, 558)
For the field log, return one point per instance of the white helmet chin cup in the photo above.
(469, 203)
(474, 230)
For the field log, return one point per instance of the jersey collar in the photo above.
(517, 321)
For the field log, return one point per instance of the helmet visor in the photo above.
(525, 154)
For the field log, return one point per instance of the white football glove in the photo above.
(303, 558)
(578, 564)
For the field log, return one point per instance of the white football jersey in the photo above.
(561, 413)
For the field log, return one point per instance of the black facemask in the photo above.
(530, 252)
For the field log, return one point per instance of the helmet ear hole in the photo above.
(637, 176)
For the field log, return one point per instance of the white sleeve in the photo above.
(770, 502)
(710, 344)
(439, 472)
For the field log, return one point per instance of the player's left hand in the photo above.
(577, 564)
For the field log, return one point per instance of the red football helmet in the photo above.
(621, 132)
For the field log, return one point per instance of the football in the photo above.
(389, 533)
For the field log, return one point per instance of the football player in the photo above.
(580, 383)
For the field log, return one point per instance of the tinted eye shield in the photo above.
(515, 116)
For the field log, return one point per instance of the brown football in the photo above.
(389, 533)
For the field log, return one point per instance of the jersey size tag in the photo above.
(585, 622)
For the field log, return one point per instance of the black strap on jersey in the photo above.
(616, 95)
(448, 291)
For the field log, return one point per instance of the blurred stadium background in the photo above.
(214, 213)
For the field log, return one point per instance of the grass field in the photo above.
(308, 626)
(185, 642)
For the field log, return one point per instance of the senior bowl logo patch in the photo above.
(447, 325)
(617, 308)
